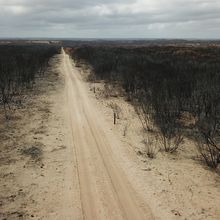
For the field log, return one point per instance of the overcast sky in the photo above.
(110, 18)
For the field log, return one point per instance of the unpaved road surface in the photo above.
(61, 157)
(104, 189)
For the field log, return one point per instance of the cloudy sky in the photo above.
(110, 18)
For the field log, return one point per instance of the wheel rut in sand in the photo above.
(105, 190)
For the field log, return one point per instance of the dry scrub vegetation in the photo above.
(164, 84)
(19, 67)
(164, 110)
(27, 98)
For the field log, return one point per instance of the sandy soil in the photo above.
(38, 172)
(57, 161)
(176, 186)
(61, 157)
(105, 191)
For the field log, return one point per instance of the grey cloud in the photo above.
(110, 18)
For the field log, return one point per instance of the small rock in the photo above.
(175, 212)
(139, 153)
(147, 169)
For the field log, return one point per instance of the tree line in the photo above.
(164, 83)
(19, 66)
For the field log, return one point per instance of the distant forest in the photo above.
(164, 83)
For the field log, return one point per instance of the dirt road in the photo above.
(104, 189)
(61, 157)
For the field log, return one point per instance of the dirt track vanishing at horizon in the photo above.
(56, 158)
(104, 189)
(61, 157)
